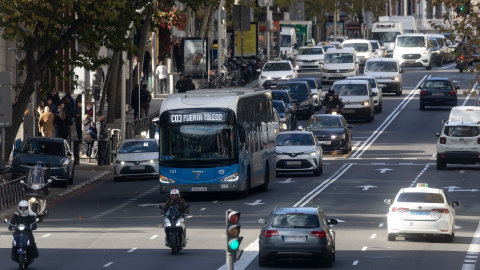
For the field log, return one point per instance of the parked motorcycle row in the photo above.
(247, 69)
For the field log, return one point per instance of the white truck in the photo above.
(288, 43)
(303, 30)
(408, 22)
(386, 32)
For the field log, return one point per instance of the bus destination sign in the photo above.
(197, 117)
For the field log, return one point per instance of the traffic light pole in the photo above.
(229, 261)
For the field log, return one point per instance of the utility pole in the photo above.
(268, 28)
(220, 28)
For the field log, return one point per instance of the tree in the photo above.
(41, 28)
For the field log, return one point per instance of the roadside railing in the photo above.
(11, 192)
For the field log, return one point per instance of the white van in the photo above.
(288, 43)
(339, 64)
(464, 114)
(357, 96)
(386, 32)
(362, 47)
(416, 50)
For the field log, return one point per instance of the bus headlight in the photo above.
(230, 178)
(165, 180)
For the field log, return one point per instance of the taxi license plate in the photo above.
(348, 111)
(198, 189)
(325, 142)
(137, 168)
(294, 239)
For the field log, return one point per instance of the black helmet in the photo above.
(331, 91)
(335, 95)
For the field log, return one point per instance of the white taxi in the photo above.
(276, 71)
(421, 211)
(310, 57)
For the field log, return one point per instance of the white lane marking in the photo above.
(214, 202)
(358, 153)
(203, 209)
(47, 235)
(380, 225)
(470, 93)
(462, 171)
(108, 264)
(355, 263)
(364, 248)
(473, 250)
(248, 255)
(418, 176)
(153, 237)
(471, 257)
(373, 236)
(469, 261)
(448, 66)
(379, 163)
(132, 250)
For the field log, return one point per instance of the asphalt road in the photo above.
(110, 225)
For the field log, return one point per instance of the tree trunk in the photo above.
(118, 87)
(106, 85)
(112, 86)
(205, 20)
(143, 39)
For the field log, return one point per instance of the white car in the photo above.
(357, 96)
(387, 71)
(376, 88)
(421, 211)
(299, 151)
(340, 64)
(136, 158)
(276, 71)
(362, 47)
(310, 57)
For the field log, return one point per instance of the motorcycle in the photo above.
(36, 190)
(335, 110)
(460, 64)
(175, 228)
(21, 245)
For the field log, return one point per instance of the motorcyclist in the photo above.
(335, 103)
(328, 96)
(175, 200)
(26, 217)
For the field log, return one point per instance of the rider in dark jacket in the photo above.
(328, 97)
(334, 103)
(27, 218)
(175, 199)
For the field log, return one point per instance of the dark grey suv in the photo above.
(297, 233)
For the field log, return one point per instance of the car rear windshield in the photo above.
(421, 197)
(324, 122)
(359, 47)
(295, 90)
(381, 67)
(310, 51)
(43, 148)
(442, 85)
(461, 131)
(338, 58)
(279, 107)
(280, 96)
(351, 89)
(276, 67)
(295, 220)
(374, 45)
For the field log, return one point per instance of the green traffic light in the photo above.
(462, 7)
(233, 244)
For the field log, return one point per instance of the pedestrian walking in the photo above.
(180, 83)
(145, 98)
(98, 78)
(63, 119)
(89, 133)
(178, 54)
(147, 58)
(46, 123)
(134, 102)
(101, 135)
(78, 119)
(161, 73)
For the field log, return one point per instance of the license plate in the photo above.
(198, 189)
(325, 142)
(294, 163)
(224, 186)
(348, 111)
(294, 239)
(337, 75)
(137, 168)
(420, 213)
(438, 94)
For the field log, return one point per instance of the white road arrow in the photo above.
(339, 220)
(288, 181)
(453, 188)
(366, 187)
(257, 202)
(383, 170)
(149, 204)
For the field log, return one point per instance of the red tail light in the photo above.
(423, 92)
(399, 209)
(453, 93)
(440, 211)
(270, 233)
(319, 234)
(443, 140)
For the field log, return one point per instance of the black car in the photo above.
(286, 119)
(300, 91)
(47, 152)
(289, 102)
(315, 88)
(297, 233)
(437, 91)
(332, 132)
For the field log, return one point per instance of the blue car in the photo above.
(53, 152)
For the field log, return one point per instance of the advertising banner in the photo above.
(250, 42)
(195, 57)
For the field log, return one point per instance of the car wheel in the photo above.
(262, 261)
(449, 238)
(70, 179)
(370, 118)
(328, 262)
(441, 164)
(399, 90)
(392, 237)
(379, 108)
(318, 170)
(422, 107)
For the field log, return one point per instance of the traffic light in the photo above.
(233, 234)
(464, 8)
(360, 18)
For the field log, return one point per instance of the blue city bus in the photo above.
(217, 141)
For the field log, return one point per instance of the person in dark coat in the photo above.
(78, 119)
(54, 96)
(86, 124)
(134, 101)
(179, 84)
(188, 85)
(145, 98)
(72, 103)
(26, 217)
(63, 119)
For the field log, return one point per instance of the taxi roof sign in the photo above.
(277, 59)
(422, 185)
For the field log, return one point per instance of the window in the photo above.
(295, 221)
(461, 131)
(420, 197)
(438, 11)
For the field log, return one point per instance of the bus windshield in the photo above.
(198, 142)
(385, 36)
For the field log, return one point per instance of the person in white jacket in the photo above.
(161, 73)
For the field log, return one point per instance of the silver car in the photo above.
(297, 233)
(136, 158)
(299, 151)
